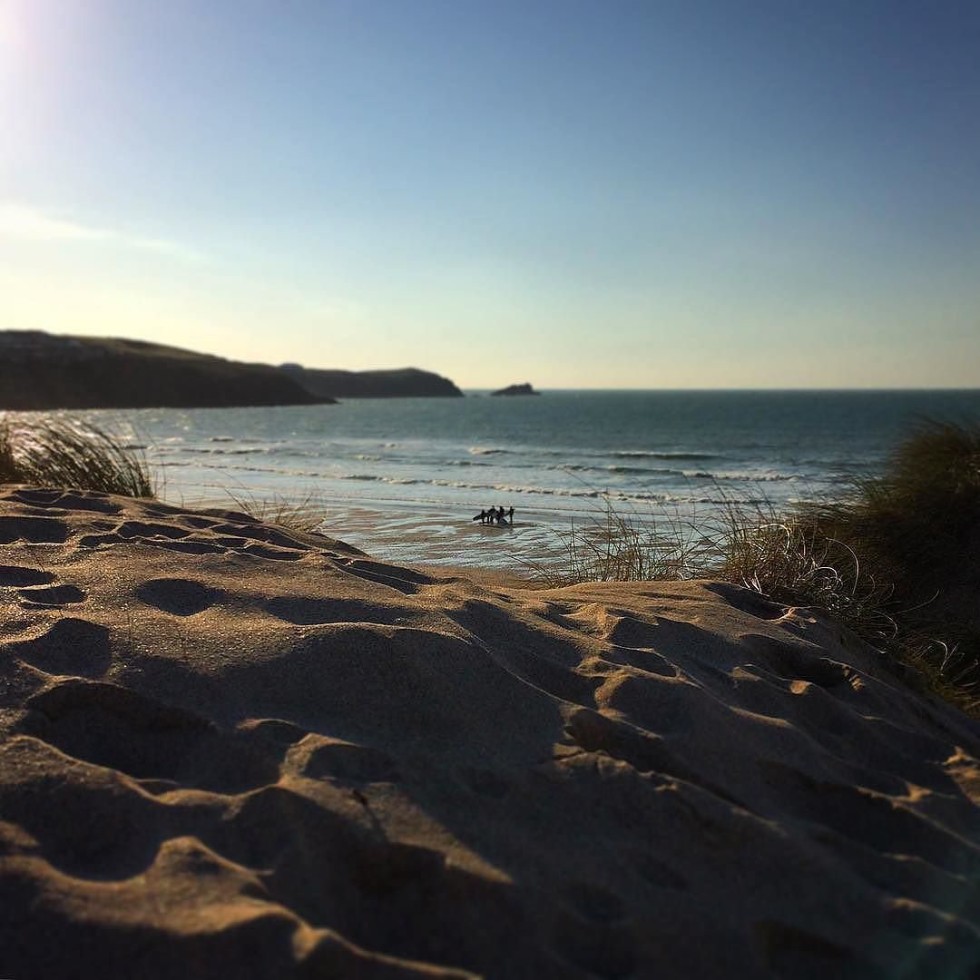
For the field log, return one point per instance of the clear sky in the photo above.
(577, 193)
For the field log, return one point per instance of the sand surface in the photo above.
(228, 750)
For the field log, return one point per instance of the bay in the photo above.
(403, 478)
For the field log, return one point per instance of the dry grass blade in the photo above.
(793, 562)
(895, 559)
(626, 547)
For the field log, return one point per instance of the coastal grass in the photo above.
(915, 535)
(624, 546)
(793, 560)
(896, 559)
(61, 452)
(305, 514)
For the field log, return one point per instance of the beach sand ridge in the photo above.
(232, 749)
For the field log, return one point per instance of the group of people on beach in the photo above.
(495, 515)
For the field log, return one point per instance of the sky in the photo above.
(575, 193)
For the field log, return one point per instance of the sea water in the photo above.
(403, 478)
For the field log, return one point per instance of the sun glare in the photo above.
(8, 26)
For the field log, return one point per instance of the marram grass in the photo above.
(51, 451)
(306, 514)
(896, 559)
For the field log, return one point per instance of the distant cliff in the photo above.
(522, 389)
(399, 383)
(44, 371)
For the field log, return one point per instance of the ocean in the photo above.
(403, 478)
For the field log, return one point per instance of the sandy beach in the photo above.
(229, 749)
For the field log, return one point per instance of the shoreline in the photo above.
(424, 534)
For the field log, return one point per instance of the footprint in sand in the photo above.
(178, 596)
(302, 611)
(747, 601)
(644, 751)
(274, 731)
(19, 576)
(148, 529)
(67, 499)
(270, 552)
(405, 581)
(35, 530)
(199, 523)
(70, 646)
(161, 535)
(53, 595)
(623, 630)
(120, 729)
(191, 547)
(319, 758)
(791, 662)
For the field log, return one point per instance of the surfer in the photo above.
(495, 515)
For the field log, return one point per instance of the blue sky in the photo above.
(627, 193)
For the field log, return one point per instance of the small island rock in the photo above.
(521, 389)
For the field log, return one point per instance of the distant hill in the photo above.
(398, 383)
(44, 371)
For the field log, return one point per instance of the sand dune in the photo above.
(231, 750)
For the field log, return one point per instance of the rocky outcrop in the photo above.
(40, 371)
(521, 389)
(398, 383)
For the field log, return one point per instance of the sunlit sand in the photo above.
(230, 749)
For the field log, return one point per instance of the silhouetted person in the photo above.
(500, 515)
(481, 517)
(510, 515)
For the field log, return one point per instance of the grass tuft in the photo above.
(796, 562)
(897, 559)
(623, 547)
(61, 452)
(306, 514)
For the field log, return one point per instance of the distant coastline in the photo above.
(397, 383)
(40, 371)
